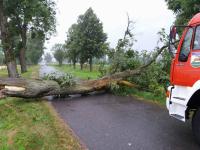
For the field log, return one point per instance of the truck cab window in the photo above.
(185, 48)
(197, 39)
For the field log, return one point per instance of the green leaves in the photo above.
(64, 80)
(86, 39)
(59, 53)
(184, 9)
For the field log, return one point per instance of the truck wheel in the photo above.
(196, 125)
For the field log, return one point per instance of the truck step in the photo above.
(179, 117)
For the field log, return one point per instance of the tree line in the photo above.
(26, 24)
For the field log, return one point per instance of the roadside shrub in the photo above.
(120, 90)
(65, 79)
(102, 68)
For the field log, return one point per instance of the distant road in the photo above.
(44, 70)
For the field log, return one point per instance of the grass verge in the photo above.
(142, 95)
(82, 74)
(32, 72)
(32, 124)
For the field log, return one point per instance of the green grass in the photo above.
(148, 96)
(32, 124)
(82, 74)
(3, 73)
(30, 73)
(141, 94)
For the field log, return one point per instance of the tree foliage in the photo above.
(154, 77)
(6, 42)
(124, 56)
(29, 16)
(92, 35)
(184, 9)
(59, 53)
(73, 44)
(86, 39)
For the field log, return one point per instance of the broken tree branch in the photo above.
(34, 88)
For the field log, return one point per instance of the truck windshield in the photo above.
(185, 48)
(197, 39)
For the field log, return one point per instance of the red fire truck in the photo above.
(183, 94)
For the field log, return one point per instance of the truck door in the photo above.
(182, 62)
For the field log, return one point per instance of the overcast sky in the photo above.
(149, 17)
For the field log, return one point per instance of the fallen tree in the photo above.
(34, 88)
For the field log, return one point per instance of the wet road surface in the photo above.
(44, 70)
(107, 122)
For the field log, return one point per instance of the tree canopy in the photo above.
(59, 53)
(29, 16)
(73, 44)
(184, 9)
(86, 38)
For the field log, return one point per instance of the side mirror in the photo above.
(173, 34)
(172, 40)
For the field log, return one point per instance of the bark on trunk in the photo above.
(7, 45)
(90, 61)
(74, 65)
(22, 53)
(12, 69)
(60, 63)
(22, 60)
(81, 66)
(34, 88)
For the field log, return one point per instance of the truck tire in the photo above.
(196, 125)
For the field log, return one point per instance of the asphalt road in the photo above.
(107, 122)
(44, 70)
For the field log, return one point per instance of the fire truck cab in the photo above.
(183, 95)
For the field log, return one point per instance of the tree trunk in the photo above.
(90, 61)
(7, 45)
(60, 63)
(33, 88)
(81, 66)
(22, 60)
(74, 65)
(22, 52)
(12, 69)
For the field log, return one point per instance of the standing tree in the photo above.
(30, 15)
(184, 9)
(6, 41)
(92, 37)
(73, 44)
(2, 57)
(48, 58)
(59, 53)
